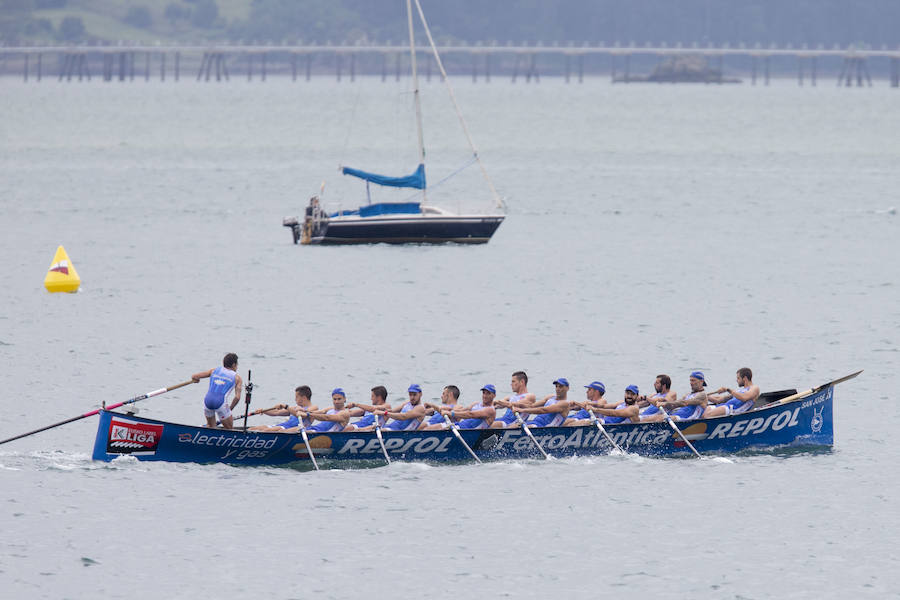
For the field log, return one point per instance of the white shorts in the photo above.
(221, 413)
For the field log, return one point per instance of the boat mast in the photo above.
(437, 58)
(415, 82)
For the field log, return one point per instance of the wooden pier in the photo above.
(850, 65)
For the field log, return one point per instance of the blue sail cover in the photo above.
(414, 180)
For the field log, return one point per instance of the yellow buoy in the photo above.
(62, 276)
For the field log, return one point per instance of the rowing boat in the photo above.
(794, 420)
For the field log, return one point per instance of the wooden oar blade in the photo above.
(837, 381)
(812, 391)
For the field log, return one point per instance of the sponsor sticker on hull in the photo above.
(132, 437)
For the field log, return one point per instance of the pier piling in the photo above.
(121, 61)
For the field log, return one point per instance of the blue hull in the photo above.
(802, 422)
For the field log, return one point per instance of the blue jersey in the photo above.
(291, 422)
(401, 425)
(688, 413)
(474, 423)
(221, 381)
(509, 417)
(652, 409)
(436, 418)
(325, 426)
(368, 419)
(548, 419)
(611, 420)
(582, 414)
(736, 406)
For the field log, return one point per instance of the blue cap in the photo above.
(633, 389)
(562, 381)
(699, 375)
(415, 388)
(489, 388)
(338, 392)
(597, 385)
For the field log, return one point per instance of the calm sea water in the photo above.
(650, 229)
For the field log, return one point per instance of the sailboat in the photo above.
(414, 221)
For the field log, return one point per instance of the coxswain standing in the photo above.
(222, 381)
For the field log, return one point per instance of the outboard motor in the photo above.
(313, 221)
(294, 225)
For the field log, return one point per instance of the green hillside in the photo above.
(90, 21)
(796, 22)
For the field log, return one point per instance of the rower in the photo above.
(649, 405)
(410, 414)
(625, 411)
(692, 405)
(367, 411)
(481, 414)
(222, 381)
(553, 409)
(728, 401)
(594, 392)
(520, 398)
(449, 399)
(303, 399)
(334, 419)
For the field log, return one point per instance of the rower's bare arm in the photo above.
(481, 413)
(201, 375)
(415, 413)
(718, 398)
(342, 416)
(238, 388)
(751, 394)
(546, 399)
(627, 412)
(559, 407)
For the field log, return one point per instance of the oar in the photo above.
(306, 441)
(458, 435)
(678, 431)
(531, 435)
(260, 411)
(596, 422)
(380, 439)
(816, 389)
(247, 399)
(94, 412)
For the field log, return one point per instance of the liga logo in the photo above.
(131, 437)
